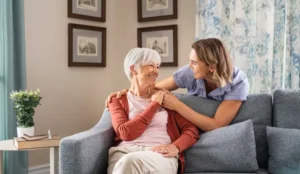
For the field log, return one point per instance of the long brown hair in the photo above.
(213, 52)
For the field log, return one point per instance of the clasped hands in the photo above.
(166, 99)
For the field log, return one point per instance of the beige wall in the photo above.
(73, 98)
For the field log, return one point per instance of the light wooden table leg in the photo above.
(54, 160)
(1, 162)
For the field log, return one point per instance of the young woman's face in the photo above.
(200, 68)
(148, 74)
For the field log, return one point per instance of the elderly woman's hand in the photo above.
(158, 96)
(167, 151)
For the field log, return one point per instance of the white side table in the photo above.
(7, 145)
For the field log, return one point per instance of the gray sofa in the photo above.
(242, 147)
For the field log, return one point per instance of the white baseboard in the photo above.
(41, 169)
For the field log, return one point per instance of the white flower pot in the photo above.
(25, 130)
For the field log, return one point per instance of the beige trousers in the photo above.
(139, 160)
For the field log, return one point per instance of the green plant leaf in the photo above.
(24, 104)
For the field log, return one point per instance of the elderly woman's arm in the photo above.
(130, 129)
(188, 136)
(189, 133)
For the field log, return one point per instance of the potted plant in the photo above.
(24, 104)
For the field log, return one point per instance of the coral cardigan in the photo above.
(183, 134)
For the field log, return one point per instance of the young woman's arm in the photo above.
(168, 84)
(224, 115)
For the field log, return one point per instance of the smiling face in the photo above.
(201, 69)
(147, 74)
(210, 61)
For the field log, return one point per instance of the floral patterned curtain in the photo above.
(262, 36)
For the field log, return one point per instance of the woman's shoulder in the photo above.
(238, 89)
(184, 77)
(122, 100)
(238, 77)
(122, 97)
(184, 71)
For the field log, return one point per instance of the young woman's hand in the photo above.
(118, 94)
(170, 101)
(158, 96)
(167, 151)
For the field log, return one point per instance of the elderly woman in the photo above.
(149, 138)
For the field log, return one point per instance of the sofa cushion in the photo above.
(286, 109)
(260, 171)
(227, 149)
(258, 108)
(284, 150)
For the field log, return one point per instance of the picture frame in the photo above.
(86, 46)
(153, 10)
(93, 10)
(162, 39)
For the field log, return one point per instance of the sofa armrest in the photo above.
(87, 152)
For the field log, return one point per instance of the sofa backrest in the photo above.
(258, 108)
(286, 109)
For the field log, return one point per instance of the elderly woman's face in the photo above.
(147, 74)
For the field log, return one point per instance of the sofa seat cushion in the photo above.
(284, 150)
(260, 171)
(227, 149)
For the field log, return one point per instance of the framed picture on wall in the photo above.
(87, 9)
(163, 39)
(154, 10)
(87, 46)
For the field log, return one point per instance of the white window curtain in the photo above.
(262, 36)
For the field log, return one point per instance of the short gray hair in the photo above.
(140, 57)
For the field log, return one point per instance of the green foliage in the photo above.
(24, 104)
